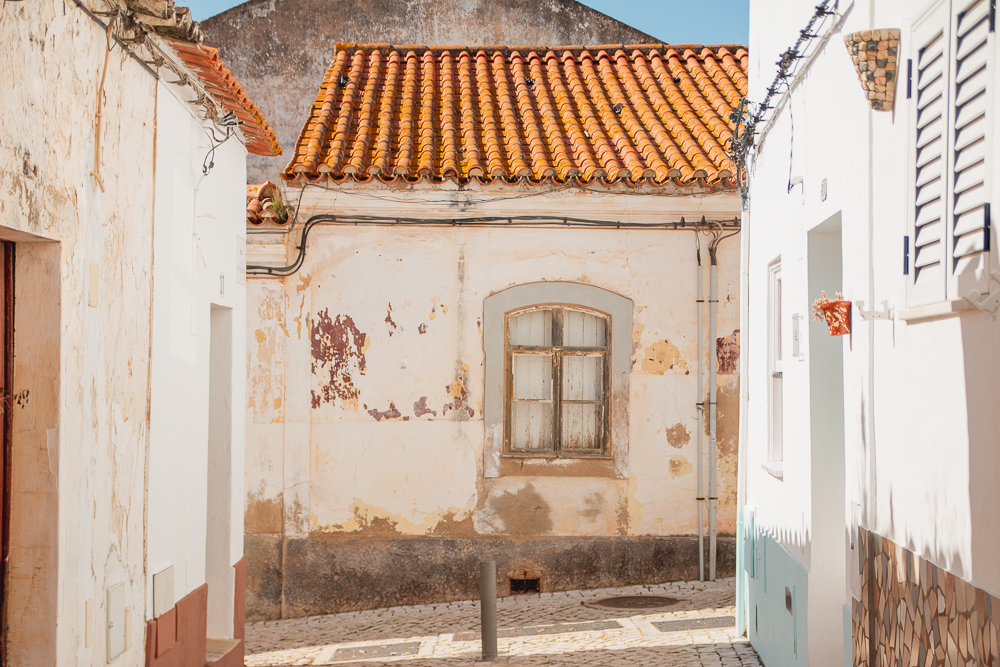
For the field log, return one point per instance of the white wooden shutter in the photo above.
(929, 120)
(972, 88)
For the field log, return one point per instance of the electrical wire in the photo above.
(512, 222)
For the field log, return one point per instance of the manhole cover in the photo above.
(634, 602)
(708, 623)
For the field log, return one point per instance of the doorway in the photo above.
(6, 425)
(828, 555)
(219, 574)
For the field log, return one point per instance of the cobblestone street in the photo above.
(535, 629)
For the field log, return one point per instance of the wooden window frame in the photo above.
(558, 352)
(775, 371)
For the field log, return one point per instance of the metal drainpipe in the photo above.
(712, 372)
(701, 416)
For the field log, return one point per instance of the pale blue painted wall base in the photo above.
(776, 603)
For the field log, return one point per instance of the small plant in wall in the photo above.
(836, 312)
(7, 401)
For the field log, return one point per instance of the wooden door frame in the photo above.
(7, 431)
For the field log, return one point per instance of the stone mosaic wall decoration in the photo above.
(876, 57)
(913, 613)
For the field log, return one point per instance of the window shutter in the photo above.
(970, 153)
(928, 112)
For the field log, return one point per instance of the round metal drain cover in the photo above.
(635, 602)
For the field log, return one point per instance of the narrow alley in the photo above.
(565, 628)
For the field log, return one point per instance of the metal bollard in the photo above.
(488, 607)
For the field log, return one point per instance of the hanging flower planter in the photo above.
(836, 312)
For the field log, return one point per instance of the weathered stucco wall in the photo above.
(365, 403)
(79, 442)
(81, 483)
(280, 49)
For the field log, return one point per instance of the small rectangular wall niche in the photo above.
(520, 586)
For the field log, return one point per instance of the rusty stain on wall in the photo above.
(420, 408)
(662, 356)
(680, 466)
(678, 436)
(422, 328)
(338, 347)
(728, 353)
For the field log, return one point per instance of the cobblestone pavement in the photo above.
(535, 629)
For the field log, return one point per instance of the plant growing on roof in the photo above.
(836, 312)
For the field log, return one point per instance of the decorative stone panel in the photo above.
(912, 612)
(876, 57)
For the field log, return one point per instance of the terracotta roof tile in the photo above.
(613, 113)
(213, 75)
(264, 205)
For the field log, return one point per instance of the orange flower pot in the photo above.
(838, 316)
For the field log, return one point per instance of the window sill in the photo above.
(933, 310)
(532, 465)
(775, 469)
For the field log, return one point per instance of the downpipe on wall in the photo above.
(700, 404)
(713, 499)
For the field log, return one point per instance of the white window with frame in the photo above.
(775, 450)
(950, 86)
(558, 357)
(556, 384)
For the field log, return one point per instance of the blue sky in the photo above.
(677, 21)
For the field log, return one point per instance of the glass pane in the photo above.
(531, 426)
(776, 452)
(583, 329)
(583, 378)
(581, 426)
(532, 328)
(532, 376)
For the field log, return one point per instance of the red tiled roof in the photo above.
(261, 200)
(205, 62)
(634, 114)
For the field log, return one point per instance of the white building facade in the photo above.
(123, 231)
(869, 460)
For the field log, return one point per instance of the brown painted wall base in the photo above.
(178, 637)
(324, 575)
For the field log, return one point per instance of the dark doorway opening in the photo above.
(6, 424)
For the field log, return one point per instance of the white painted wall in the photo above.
(199, 226)
(82, 441)
(916, 427)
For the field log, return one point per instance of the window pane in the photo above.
(777, 317)
(583, 378)
(531, 426)
(532, 328)
(776, 452)
(532, 376)
(583, 329)
(581, 426)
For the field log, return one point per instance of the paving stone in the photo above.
(548, 629)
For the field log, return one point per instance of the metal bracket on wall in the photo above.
(989, 301)
(885, 313)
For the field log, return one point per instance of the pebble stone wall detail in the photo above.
(914, 613)
(876, 57)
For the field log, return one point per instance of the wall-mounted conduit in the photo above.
(498, 222)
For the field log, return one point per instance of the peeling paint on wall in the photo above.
(456, 390)
(391, 326)
(678, 436)
(680, 466)
(420, 408)
(390, 413)
(338, 349)
(727, 351)
(663, 356)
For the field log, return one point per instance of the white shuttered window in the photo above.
(557, 372)
(952, 80)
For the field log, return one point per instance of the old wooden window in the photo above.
(557, 382)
